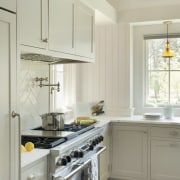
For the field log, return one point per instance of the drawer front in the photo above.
(165, 132)
(37, 171)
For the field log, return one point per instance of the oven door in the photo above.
(79, 171)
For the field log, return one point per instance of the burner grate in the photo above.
(42, 142)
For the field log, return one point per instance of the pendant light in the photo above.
(167, 53)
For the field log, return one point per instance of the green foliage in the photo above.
(162, 74)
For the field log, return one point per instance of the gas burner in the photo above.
(71, 127)
(43, 142)
(51, 138)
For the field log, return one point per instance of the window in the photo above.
(58, 76)
(162, 75)
(66, 76)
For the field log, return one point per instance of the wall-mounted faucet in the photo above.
(40, 80)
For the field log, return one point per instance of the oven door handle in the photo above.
(100, 149)
(73, 172)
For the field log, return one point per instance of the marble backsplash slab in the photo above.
(34, 100)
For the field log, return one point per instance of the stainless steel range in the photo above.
(74, 152)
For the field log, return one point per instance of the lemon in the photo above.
(29, 146)
(23, 149)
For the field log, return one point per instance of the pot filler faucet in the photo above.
(40, 80)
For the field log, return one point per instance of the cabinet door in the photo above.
(129, 152)
(8, 132)
(104, 157)
(33, 23)
(84, 28)
(38, 170)
(165, 160)
(61, 26)
(8, 4)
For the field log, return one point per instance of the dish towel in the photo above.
(94, 167)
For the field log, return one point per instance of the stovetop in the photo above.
(50, 139)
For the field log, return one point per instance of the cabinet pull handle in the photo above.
(31, 177)
(14, 115)
(173, 133)
(45, 40)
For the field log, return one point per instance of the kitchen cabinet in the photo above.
(33, 25)
(104, 157)
(8, 4)
(58, 28)
(61, 26)
(129, 152)
(84, 29)
(165, 153)
(9, 133)
(37, 170)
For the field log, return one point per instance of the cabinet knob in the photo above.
(45, 40)
(31, 177)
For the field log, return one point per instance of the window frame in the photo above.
(138, 31)
(146, 71)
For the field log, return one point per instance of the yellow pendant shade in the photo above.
(167, 52)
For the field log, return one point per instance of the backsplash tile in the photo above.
(34, 100)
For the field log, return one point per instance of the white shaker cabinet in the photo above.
(85, 31)
(104, 157)
(8, 4)
(37, 170)
(33, 22)
(129, 152)
(165, 153)
(61, 26)
(9, 134)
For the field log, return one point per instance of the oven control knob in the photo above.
(68, 158)
(97, 141)
(94, 142)
(61, 162)
(81, 154)
(102, 138)
(91, 147)
(75, 154)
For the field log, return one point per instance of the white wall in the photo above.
(110, 78)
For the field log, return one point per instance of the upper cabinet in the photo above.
(8, 4)
(33, 25)
(84, 28)
(60, 28)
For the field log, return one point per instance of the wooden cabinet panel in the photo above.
(33, 23)
(104, 157)
(84, 28)
(61, 26)
(165, 132)
(38, 170)
(165, 159)
(8, 127)
(129, 152)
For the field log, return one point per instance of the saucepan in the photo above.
(53, 121)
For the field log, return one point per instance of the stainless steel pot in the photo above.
(53, 121)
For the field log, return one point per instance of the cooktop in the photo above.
(51, 138)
